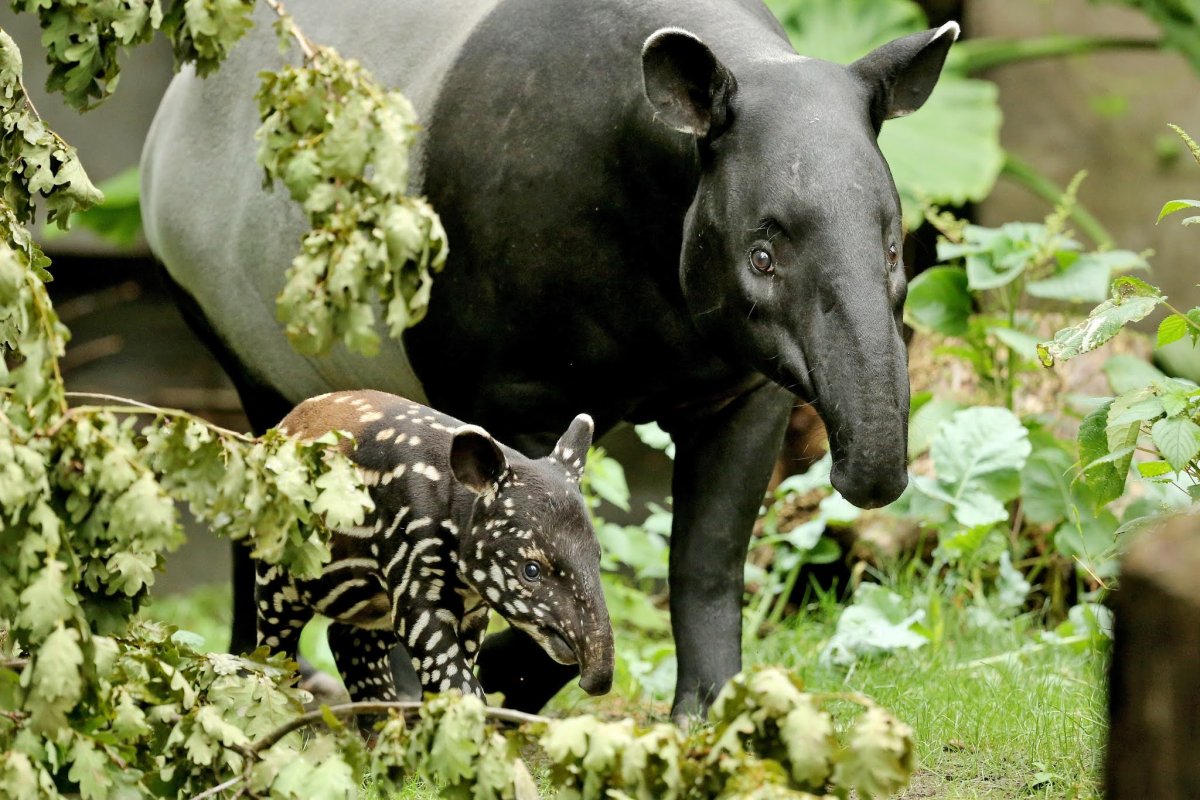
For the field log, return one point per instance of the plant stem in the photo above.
(306, 46)
(975, 55)
(354, 709)
(1024, 173)
(220, 787)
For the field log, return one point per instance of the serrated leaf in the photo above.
(880, 758)
(89, 770)
(1171, 329)
(1132, 300)
(1106, 480)
(1177, 439)
(46, 601)
(1173, 206)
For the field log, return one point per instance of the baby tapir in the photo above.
(461, 523)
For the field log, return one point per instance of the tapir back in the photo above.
(223, 238)
(557, 189)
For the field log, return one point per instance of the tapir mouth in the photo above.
(557, 647)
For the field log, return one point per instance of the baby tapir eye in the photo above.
(893, 255)
(532, 571)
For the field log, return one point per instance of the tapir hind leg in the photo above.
(722, 465)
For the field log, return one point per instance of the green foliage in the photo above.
(117, 218)
(949, 152)
(878, 621)
(1132, 300)
(1173, 206)
(766, 737)
(33, 159)
(84, 38)
(984, 297)
(1179, 20)
(339, 143)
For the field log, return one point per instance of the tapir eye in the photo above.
(761, 260)
(893, 255)
(532, 571)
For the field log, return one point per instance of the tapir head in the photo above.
(791, 254)
(531, 552)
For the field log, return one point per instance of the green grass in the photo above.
(990, 721)
(996, 713)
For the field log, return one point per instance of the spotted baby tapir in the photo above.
(461, 524)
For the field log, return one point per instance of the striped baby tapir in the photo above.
(462, 524)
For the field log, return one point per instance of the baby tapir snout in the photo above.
(462, 524)
(533, 551)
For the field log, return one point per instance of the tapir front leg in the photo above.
(722, 465)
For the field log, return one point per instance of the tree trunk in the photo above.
(1154, 689)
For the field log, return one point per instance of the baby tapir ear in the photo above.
(902, 73)
(476, 460)
(688, 87)
(571, 450)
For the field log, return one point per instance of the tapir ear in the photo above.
(571, 450)
(688, 87)
(903, 72)
(476, 459)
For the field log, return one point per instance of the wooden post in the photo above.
(1154, 686)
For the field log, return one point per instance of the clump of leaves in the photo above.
(33, 159)
(84, 38)
(340, 145)
(1163, 417)
(983, 298)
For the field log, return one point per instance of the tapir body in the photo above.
(656, 211)
(461, 524)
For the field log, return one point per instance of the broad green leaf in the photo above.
(1087, 278)
(978, 455)
(927, 421)
(845, 30)
(1178, 439)
(1154, 469)
(948, 152)
(1106, 480)
(938, 300)
(1176, 396)
(1132, 300)
(877, 622)
(1171, 329)
(1136, 407)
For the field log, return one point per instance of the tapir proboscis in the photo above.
(656, 209)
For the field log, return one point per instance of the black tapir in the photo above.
(656, 211)
(461, 524)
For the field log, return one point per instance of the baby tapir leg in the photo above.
(281, 615)
(363, 659)
(439, 657)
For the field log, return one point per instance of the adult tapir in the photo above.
(656, 210)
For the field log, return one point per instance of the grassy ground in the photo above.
(997, 713)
